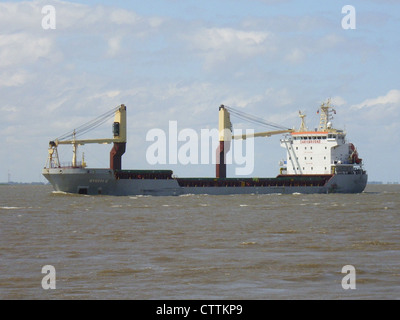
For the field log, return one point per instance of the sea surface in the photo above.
(257, 247)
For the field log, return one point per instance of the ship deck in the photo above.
(279, 181)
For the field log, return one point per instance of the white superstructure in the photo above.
(322, 151)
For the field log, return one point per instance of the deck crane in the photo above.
(119, 139)
(225, 134)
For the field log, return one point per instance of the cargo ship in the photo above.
(318, 161)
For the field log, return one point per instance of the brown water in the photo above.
(199, 247)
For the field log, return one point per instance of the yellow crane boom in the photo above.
(225, 135)
(261, 134)
(119, 139)
(119, 131)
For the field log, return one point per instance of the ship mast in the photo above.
(303, 126)
(52, 159)
(74, 149)
(326, 116)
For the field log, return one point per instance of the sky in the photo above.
(171, 60)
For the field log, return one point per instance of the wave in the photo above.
(247, 243)
(59, 192)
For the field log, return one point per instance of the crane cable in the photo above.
(256, 120)
(88, 126)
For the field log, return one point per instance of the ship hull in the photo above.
(110, 182)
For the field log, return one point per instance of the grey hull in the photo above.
(103, 181)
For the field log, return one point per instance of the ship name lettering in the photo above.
(98, 180)
(310, 141)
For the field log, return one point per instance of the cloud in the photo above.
(378, 125)
(295, 55)
(121, 16)
(221, 45)
(294, 40)
(109, 94)
(14, 78)
(21, 49)
(391, 99)
(338, 101)
(380, 116)
(18, 16)
(114, 46)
